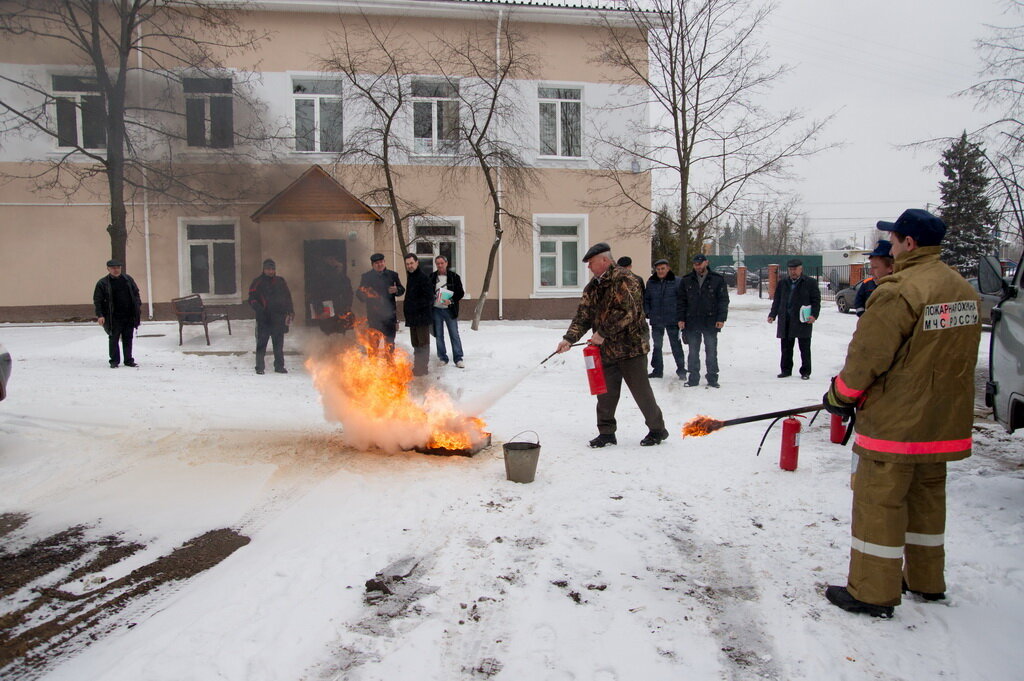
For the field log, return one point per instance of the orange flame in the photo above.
(701, 425)
(368, 386)
(368, 292)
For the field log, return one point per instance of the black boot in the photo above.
(924, 594)
(840, 597)
(603, 440)
(655, 437)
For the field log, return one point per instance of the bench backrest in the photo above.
(188, 308)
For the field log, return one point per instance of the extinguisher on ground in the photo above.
(595, 370)
(790, 450)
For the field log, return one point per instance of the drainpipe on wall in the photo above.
(145, 191)
(501, 246)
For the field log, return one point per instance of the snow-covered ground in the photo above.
(691, 560)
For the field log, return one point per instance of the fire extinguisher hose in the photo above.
(556, 351)
(766, 431)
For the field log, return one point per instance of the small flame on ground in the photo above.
(366, 386)
(701, 425)
(368, 292)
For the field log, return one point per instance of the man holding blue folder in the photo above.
(797, 303)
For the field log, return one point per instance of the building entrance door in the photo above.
(328, 288)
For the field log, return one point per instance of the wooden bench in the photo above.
(191, 311)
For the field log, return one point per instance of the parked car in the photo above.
(1004, 391)
(988, 301)
(5, 370)
(729, 272)
(846, 296)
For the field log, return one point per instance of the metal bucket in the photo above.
(521, 458)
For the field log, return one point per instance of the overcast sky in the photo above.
(888, 69)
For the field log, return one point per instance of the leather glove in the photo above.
(835, 405)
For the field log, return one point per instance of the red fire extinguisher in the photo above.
(837, 430)
(595, 370)
(790, 451)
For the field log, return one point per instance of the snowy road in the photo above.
(692, 560)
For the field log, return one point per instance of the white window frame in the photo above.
(436, 146)
(317, 99)
(207, 99)
(459, 239)
(581, 222)
(185, 264)
(75, 96)
(559, 133)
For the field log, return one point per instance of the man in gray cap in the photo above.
(797, 303)
(909, 379)
(118, 307)
(611, 307)
(271, 302)
(378, 289)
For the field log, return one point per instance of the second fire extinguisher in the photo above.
(595, 370)
(790, 451)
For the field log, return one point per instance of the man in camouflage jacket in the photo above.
(612, 307)
(909, 379)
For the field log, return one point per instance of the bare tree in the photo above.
(702, 69)
(105, 127)
(1001, 91)
(480, 67)
(377, 58)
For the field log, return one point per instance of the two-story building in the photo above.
(299, 193)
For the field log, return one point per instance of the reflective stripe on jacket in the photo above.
(910, 364)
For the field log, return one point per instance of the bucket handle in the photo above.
(513, 438)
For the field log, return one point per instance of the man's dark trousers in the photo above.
(694, 334)
(657, 342)
(787, 356)
(269, 332)
(121, 331)
(634, 372)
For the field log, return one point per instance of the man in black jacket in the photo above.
(660, 304)
(417, 308)
(797, 303)
(118, 307)
(448, 291)
(378, 288)
(271, 301)
(703, 309)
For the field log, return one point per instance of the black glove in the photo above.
(834, 405)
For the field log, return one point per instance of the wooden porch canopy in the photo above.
(315, 197)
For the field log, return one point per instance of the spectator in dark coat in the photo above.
(118, 308)
(271, 301)
(417, 308)
(703, 309)
(626, 262)
(660, 309)
(378, 288)
(793, 294)
(448, 291)
(881, 266)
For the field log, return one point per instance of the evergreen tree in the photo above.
(965, 205)
(665, 243)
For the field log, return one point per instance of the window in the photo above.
(210, 259)
(559, 254)
(435, 121)
(317, 114)
(81, 112)
(208, 112)
(436, 236)
(560, 121)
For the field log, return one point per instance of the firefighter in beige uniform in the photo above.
(909, 377)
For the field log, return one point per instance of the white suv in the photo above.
(1004, 391)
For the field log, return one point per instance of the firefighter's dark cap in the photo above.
(597, 249)
(925, 228)
(376, 257)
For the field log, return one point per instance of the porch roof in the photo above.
(315, 197)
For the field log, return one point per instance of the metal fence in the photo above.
(831, 279)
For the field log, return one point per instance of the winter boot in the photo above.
(603, 440)
(840, 597)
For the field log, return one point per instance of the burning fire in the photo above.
(365, 386)
(368, 292)
(701, 425)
